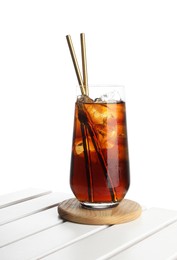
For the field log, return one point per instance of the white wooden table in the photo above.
(31, 229)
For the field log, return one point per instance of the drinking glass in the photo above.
(99, 172)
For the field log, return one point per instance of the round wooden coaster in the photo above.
(126, 211)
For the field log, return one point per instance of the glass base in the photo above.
(104, 205)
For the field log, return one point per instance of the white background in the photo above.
(131, 43)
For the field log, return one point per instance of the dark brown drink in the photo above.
(99, 162)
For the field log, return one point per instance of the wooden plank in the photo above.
(116, 238)
(30, 207)
(162, 245)
(30, 225)
(20, 196)
(46, 241)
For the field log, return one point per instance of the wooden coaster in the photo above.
(126, 211)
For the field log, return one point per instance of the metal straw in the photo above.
(84, 63)
(76, 65)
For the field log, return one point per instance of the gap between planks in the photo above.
(21, 196)
(40, 216)
(76, 241)
(29, 207)
(115, 251)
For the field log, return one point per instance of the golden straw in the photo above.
(84, 63)
(76, 65)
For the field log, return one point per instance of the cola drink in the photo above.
(99, 176)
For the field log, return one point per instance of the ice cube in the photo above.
(100, 113)
(99, 100)
(97, 113)
(79, 147)
(110, 97)
(84, 99)
(107, 136)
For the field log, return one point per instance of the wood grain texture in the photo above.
(126, 211)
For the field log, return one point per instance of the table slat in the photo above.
(20, 196)
(116, 238)
(30, 207)
(162, 245)
(46, 241)
(30, 225)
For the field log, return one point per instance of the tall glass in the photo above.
(99, 176)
